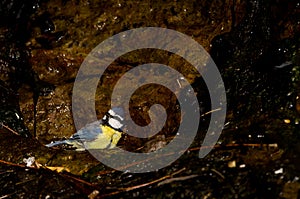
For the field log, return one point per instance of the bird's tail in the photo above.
(56, 143)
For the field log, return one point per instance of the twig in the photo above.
(120, 190)
(12, 164)
(65, 175)
(14, 132)
(217, 109)
(7, 195)
(78, 180)
(152, 182)
(19, 183)
(217, 172)
(167, 181)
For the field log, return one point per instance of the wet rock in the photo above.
(155, 144)
(14, 55)
(10, 113)
(54, 118)
(15, 15)
(256, 40)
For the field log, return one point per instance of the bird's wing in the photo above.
(88, 133)
(56, 143)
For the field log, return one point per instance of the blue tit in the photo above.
(101, 134)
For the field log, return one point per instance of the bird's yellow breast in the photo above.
(109, 138)
(108, 131)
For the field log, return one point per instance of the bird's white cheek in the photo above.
(115, 123)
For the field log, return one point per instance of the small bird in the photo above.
(101, 134)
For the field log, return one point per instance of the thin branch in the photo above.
(217, 109)
(120, 190)
(219, 173)
(12, 164)
(7, 195)
(78, 180)
(14, 132)
(167, 181)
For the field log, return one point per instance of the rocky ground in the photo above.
(257, 154)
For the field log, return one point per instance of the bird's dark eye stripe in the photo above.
(114, 117)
